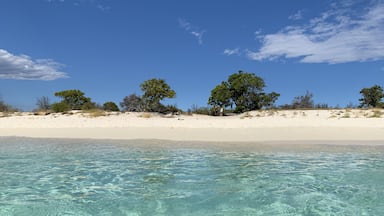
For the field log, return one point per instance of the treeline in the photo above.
(241, 92)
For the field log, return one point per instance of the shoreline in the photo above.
(311, 126)
(259, 135)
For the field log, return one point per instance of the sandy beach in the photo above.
(319, 126)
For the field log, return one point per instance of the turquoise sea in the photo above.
(88, 177)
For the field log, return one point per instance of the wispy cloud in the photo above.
(197, 32)
(93, 3)
(23, 67)
(339, 35)
(230, 52)
(297, 16)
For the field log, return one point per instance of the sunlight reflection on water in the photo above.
(88, 177)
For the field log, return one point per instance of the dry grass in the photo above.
(376, 114)
(94, 113)
(146, 115)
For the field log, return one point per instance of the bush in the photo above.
(132, 103)
(88, 106)
(171, 109)
(43, 104)
(60, 107)
(303, 101)
(201, 110)
(110, 106)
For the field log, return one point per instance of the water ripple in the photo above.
(53, 177)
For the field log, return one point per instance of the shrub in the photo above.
(303, 101)
(89, 105)
(172, 109)
(43, 103)
(60, 107)
(110, 106)
(200, 110)
(132, 103)
(6, 108)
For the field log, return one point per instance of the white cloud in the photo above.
(297, 16)
(23, 67)
(339, 35)
(93, 3)
(230, 52)
(193, 30)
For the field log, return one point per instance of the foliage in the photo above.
(172, 109)
(89, 105)
(75, 99)
(200, 110)
(132, 103)
(60, 107)
(110, 106)
(220, 96)
(303, 101)
(322, 106)
(371, 96)
(244, 90)
(155, 90)
(43, 103)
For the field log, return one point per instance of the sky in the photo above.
(107, 48)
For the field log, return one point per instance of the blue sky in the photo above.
(106, 48)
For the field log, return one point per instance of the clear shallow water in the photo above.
(69, 177)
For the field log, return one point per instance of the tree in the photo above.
(371, 96)
(245, 91)
(268, 100)
(110, 106)
(303, 101)
(220, 96)
(43, 103)
(155, 90)
(75, 99)
(132, 103)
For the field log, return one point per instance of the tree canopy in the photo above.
(371, 96)
(155, 90)
(244, 90)
(75, 99)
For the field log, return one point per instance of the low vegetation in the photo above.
(6, 108)
(240, 93)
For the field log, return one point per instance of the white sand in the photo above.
(259, 126)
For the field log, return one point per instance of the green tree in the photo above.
(220, 96)
(75, 99)
(371, 96)
(110, 106)
(245, 91)
(155, 90)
